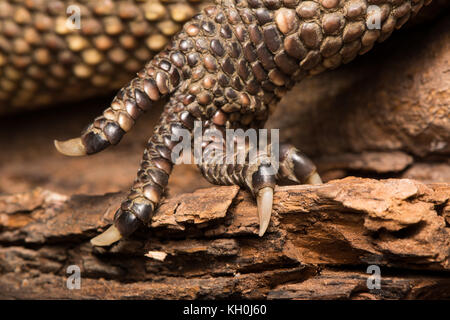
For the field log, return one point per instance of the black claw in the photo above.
(126, 222)
(94, 143)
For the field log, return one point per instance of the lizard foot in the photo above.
(259, 173)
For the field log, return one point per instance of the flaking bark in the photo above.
(205, 245)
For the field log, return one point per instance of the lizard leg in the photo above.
(153, 175)
(158, 79)
(255, 168)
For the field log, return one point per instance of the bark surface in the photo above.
(205, 245)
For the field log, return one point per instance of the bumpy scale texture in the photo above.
(44, 60)
(228, 68)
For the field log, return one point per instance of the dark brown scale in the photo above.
(263, 15)
(287, 64)
(217, 47)
(271, 38)
(142, 211)
(253, 87)
(355, 9)
(193, 59)
(243, 70)
(132, 109)
(188, 99)
(272, 4)
(161, 83)
(259, 72)
(226, 32)
(159, 177)
(223, 80)
(311, 60)
(265, 57)
(237, 84)
(210, 63)
(178, 59)
(209, 28)
(235, 50)
(353, 31)
(255, 34)
(186, 45)
(330, 46)
(113, 133)
(151, 89)
(294, 47)
(230, 94)
(249, 52)
(268, 87)
(308, 10)
(202, 45)
(126, 222)
(174, 77)
(168, 142)
(164, 65)
(228, 66)
(310, 34)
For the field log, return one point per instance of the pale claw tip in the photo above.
(107, 238)
(73, 147)
(314, 179)
(264, 201)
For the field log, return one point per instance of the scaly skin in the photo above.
(228, 67)
(42, 61)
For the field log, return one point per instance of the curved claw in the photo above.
(314, 179)
(107, 238)
(73, 147)
(264, 201)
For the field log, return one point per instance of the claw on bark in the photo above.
(264, 200)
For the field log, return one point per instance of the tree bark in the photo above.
(204, 244)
